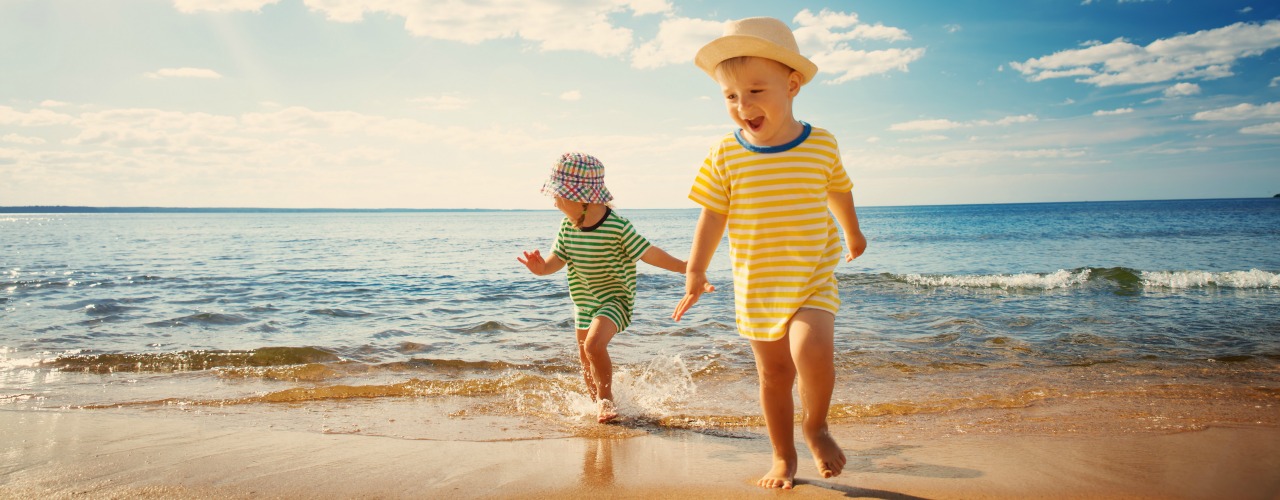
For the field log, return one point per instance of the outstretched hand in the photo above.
(534, 261)
(694, 285)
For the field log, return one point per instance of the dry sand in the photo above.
(58, 454)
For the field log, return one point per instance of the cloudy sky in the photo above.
(446, 103)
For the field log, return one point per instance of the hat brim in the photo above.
(731, 46)
(598, 194)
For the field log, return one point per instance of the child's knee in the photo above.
(596, 345)
(776, 372)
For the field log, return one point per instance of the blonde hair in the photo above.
(734, 65)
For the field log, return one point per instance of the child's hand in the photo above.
(695, 284)
(857, 244)
(534, 261)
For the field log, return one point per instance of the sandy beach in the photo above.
(97, 454)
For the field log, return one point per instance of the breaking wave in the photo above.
(1117, 277)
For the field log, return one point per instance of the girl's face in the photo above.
(758, 94)
(571, 209)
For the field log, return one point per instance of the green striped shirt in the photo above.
(601, 262)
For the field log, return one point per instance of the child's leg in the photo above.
(586, 364)
(596, 347)
(811, 334)
(777, 373)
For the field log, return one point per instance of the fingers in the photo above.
(688, 301)
(534, 256)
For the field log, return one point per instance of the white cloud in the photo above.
(1207, 55)
(572, 95)
(952, 28)
(854, 64)
(442, 102)
(33, 118)
(642, 7)
(582, 25)
(925, 125)
(678, 39)
(926, 138)
(50, 103)
(944, 124)
(184, 73)
(1245, 10)
(1243, 111)
(20, 139)
(1112, 112)
(293, 156)
(1182, 90)
(959, 157)
(826, 36)
(1272, 128)
(553, 25)
(829, 29)
(192, 6)
(1275, 82)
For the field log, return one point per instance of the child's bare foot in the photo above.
(782, 475)
(827, 455)
(608, 411)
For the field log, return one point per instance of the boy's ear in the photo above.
(794, 82)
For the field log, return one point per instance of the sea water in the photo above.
(279, 315)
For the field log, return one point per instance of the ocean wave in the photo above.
(189, 360)
(485, 327)
(1028, 281)
(1252, 278)
(1121, 278)
(216, 319)
(339, 313)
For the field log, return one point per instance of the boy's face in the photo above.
(758, 96)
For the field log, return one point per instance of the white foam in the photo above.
(1060, 279)
(1252, 278)
(656, 389)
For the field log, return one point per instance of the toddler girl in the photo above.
(601, 248)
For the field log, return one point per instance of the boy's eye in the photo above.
(731, 96)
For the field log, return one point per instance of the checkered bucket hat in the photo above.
(578, 177)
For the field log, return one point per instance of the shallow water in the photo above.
(952, 308)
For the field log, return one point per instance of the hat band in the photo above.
(566, 177)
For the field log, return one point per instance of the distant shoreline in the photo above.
(61, 209)
(227, 210)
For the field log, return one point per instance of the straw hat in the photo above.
(578, 177)
(760, 37)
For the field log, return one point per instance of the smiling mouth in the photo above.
(755, 123)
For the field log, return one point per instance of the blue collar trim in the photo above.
(737, 134)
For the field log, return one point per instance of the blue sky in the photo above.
(439, 104)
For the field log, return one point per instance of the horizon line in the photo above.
(35, 209)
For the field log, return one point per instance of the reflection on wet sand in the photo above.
(597, 463)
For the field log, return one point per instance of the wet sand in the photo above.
(97, 454)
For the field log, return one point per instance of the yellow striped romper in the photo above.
(783, 242)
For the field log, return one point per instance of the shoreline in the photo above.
(95, 454)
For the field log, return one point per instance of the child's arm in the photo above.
(841, 205)
(705, 240)
(539, 266)
(658, 257)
